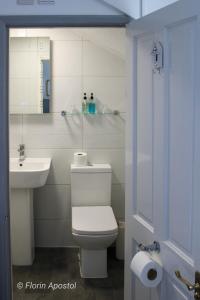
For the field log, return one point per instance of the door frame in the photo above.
(7, 22)
(154, 22)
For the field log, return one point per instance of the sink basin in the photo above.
(29, 174)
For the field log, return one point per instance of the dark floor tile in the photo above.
(60, 265)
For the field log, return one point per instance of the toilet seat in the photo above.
(93, 220)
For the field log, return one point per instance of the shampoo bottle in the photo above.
(84, 104)
(92, 105)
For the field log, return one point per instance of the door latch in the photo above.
(191, 287)
(157, 56)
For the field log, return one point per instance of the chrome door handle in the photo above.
(191, 287)
(47, 88)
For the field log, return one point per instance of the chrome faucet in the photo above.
(21, 151)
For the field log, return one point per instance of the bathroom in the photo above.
(99, 105)
(66, 63)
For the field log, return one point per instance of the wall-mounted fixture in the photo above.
(155, 246)
(157, 56)
(64, 113)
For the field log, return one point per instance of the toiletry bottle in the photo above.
(84, 104)
(87, 106)
(92, 105)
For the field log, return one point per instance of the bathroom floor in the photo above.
(54, 267)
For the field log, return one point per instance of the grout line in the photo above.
(74, 148)
(69, 184)
(105, 76)
(53, 219)
(91, 75)
(75, 76)
(62, 184)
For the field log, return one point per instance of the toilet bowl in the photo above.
(94, 227)
(94, 242)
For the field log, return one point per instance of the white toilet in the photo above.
(94, 227)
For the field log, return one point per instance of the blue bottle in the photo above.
(92, 105)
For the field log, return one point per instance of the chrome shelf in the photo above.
(65, 113)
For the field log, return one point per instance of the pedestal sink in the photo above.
(24, 177)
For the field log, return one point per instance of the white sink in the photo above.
(24, 177)
(30, 173)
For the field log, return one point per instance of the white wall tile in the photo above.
(25, 69)
(103, 141)
(66, 93)
(24, 92)
(15, 131)
(52, 131)
(100, 62)
(111, 39)
(13, 152)
(55, 34)
(52, 202)
(67, 58)
(103, 131)
(22, 44)
(108, 91)
(17, 32)
(114, 157)
(101, 124)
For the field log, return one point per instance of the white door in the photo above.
(163, 151)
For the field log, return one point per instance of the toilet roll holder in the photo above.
(154, 247)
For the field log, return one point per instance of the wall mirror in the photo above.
(29, 75)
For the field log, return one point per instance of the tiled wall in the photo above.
(79, 64)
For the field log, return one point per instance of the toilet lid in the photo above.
(93, 220)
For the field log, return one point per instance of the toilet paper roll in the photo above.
(147, 270)
(80, 159)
